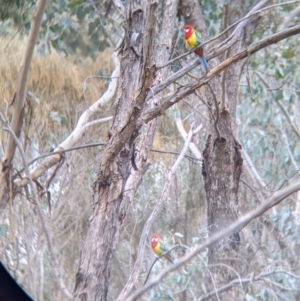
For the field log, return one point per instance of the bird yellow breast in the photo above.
(192, 41)
(157, 250)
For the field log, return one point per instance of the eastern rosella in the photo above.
(159, 248)
(193, 39)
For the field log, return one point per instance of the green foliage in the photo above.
(262, 122)
(67, 26)
(213, 11)
(56, 98)
(267, 136)
(16, 10)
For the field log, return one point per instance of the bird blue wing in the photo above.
(168, 256)
(163, 248)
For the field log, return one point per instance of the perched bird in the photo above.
(193, 39)
(159, 248)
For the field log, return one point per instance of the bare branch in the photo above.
(182, 92)
(197, 158)
(252, 169)
(140, 257)
(83, 123)
(290, 17)
(250, 280)
(244, 220)
(235, 35)
(192, 145)
(162, 256)
(104, 144)
(55, 265)
(256, 10)
(19, 100)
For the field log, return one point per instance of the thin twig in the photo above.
(250, 280)
(56, 269)
(100, 144)
(251, 14)
(162, 256)
(175, 153)
(147, 226)
(244, 220)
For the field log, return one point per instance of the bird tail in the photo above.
(204, 63)
(171, 259)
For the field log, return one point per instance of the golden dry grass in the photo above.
(57, 82)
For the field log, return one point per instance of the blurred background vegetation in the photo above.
(70, 70)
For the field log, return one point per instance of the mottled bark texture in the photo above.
(222, 160)
(221, 171)
(124, 160)
(163, 50)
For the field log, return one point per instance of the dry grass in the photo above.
(55, 81)
(57, 84)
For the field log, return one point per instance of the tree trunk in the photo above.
(124, 161)
(222, 167)
(222, 159)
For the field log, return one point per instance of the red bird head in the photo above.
(188, 31)
(155, 240)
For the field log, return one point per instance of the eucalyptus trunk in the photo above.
(124, 161)
(222, 159)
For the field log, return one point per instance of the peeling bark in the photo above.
(124, 160)
(222, 160)
(222, 168)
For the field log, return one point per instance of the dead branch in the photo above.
(19, 100)
(140, 257)
(55, 264)
(82, 125)
(243, 221)
(184, 91)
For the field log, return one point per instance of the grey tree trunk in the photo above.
(124, 161)
(222, 160)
